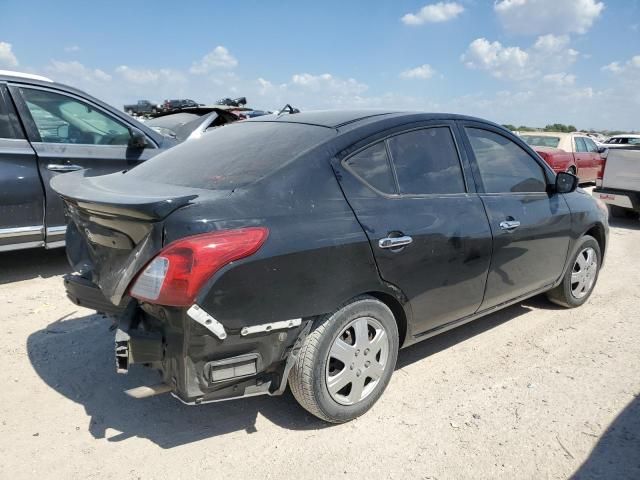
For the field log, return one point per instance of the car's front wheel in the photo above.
(346, 361)
(580, 279)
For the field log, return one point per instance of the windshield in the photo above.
(541, 140)
(233, 156)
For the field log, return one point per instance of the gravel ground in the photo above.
(534, 391)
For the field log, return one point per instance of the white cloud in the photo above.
(329, 83)
(72, 49)
(549, 54)
(559, 79)
(434, 13)
(630, 66)
(73, 71)
(217, 58)
(535, 17)
(146, 76)
(500, 61)
(423, 72)
(7, 57)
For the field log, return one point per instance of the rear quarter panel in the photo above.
(316, 256)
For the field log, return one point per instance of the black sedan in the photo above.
(307, 249)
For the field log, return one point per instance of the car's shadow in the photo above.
(617, 453)
(27, 264)
(629, 223)
(75, 357)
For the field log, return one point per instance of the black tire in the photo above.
(563, 294)
(308, 378)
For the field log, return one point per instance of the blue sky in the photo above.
(518, 61)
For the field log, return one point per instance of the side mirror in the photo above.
(138, 139)
(602, 149)
(566, 182)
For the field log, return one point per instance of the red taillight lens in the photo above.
(176, 275)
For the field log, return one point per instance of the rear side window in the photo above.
(581, 146)
(503, 165)
(232, 156)
(6, 126)
(426, 161)
(372, 166)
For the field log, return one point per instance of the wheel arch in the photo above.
(597, 231)
(397, 309)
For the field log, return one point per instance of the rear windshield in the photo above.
(233, 155)
(541, 141)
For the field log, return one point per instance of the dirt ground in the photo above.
(534, 391)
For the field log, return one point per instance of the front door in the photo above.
(429, 234)
(21, 198)
(68, 134)
(531, 228)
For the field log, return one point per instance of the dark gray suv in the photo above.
(47, 129)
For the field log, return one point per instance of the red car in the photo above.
(568, 152)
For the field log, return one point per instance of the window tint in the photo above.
(62, 119)
(6, 128)
(426, 161)
(504, 166)
(372, 165)
(232, 157)
(580, 145)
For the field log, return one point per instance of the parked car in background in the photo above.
(618, 141)
(567, 152)
(618, 184)
(48, 129)
(307, 248)
(172, 105)
(191, 122)
(142, 107)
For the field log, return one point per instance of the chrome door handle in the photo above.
(394, 242)
(509, 225)
(54, 167)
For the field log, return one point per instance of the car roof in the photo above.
(341, 118)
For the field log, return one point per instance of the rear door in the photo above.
(584, 160)
(594, 157)
(70, 133)
(428, 232)
(531, 228)
(21, 197)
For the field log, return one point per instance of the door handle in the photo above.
(509, 225)
(54, 167)
(394, 242)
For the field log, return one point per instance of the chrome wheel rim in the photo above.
(357, 360)
(583, 275)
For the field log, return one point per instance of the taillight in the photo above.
(176, 275)
(600, 174)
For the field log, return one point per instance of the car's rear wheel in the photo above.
(580, 279)
(346, 361)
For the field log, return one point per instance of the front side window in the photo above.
(581, 146)
(591, 145)
(426, 161)
(62, 119)
(503, 165)
(372, 166)
(634, 141)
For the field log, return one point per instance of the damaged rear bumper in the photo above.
(201, 365)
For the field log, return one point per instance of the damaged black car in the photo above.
(307, 249)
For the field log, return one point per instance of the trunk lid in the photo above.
(116, 224)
